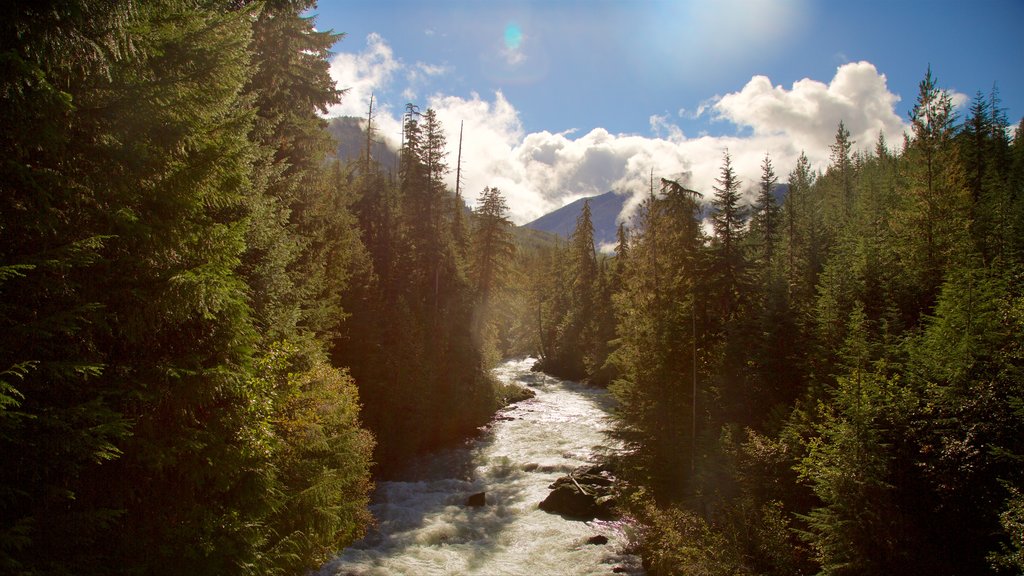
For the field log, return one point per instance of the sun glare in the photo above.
(513, 36)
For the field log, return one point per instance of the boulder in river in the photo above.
(598, 540)
(585, 493)
(477, 500)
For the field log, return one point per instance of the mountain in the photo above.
(350, 139)
(604, 209)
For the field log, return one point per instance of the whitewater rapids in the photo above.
(425, 528)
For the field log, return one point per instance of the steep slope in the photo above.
(604, 210)
(350, 139)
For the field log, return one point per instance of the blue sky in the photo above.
(569, 98)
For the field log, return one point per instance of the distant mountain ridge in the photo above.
(604, 210)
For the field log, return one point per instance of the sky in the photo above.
(563, 99)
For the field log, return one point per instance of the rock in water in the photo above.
(477, 500)
(570, 502)
(598, 540)
(585, 494)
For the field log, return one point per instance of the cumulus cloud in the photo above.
(364, 74)
(361, 74)
(660, 126)
(541, 171)
(810, 110)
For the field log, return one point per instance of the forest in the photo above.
(833, 384)
(215, 335)
(211, 331)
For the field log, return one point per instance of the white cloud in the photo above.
(361, 74)
(958, 99)
(431, 69)
(541, 171)
(365, 74)
(661, 126)
(810, 111)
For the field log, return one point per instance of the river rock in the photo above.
(598, 540)
(477, 500)
(586, 493)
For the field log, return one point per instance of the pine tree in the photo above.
(764, 221)
(933, 217)
(493, 244)
(302, 251)
(576, 336)
(494, 250)
(841, 168)
(729, 263)
(661, 318)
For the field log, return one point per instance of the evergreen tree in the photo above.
(301, 253)
(575, 330)
(660, 320)
(764, 221)
(935, 204)
(492, 240)
(841, 168)
(146, 297)
(494, 251)
(159, 168)
(728, 263)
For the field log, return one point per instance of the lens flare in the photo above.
(513, 36)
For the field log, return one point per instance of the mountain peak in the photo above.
(604, 211)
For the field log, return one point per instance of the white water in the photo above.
(426, 528)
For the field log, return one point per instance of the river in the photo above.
(424, 526)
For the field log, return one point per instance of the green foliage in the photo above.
(728, 266)
(1011, 555)
(490, 267)
(420, 335)
(153, 244)
(860, 527)
(659, 324)
(320, 457)
(764, 221)
(835, 386)
(675, 541)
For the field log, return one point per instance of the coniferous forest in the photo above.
(203, 317)
(830, 384)
(214, 334)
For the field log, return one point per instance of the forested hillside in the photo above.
(214, 334)
(833, 384)
(188, 286)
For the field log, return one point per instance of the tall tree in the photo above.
(764, 221)
(148, 430)
(154, 158)
(493, 253)
(302, 251)
(577, 328)
(729, 263)
(661, 318)
(936, 199)
(492, 242)
(842, 170)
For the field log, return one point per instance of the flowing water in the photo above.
(424, 526)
